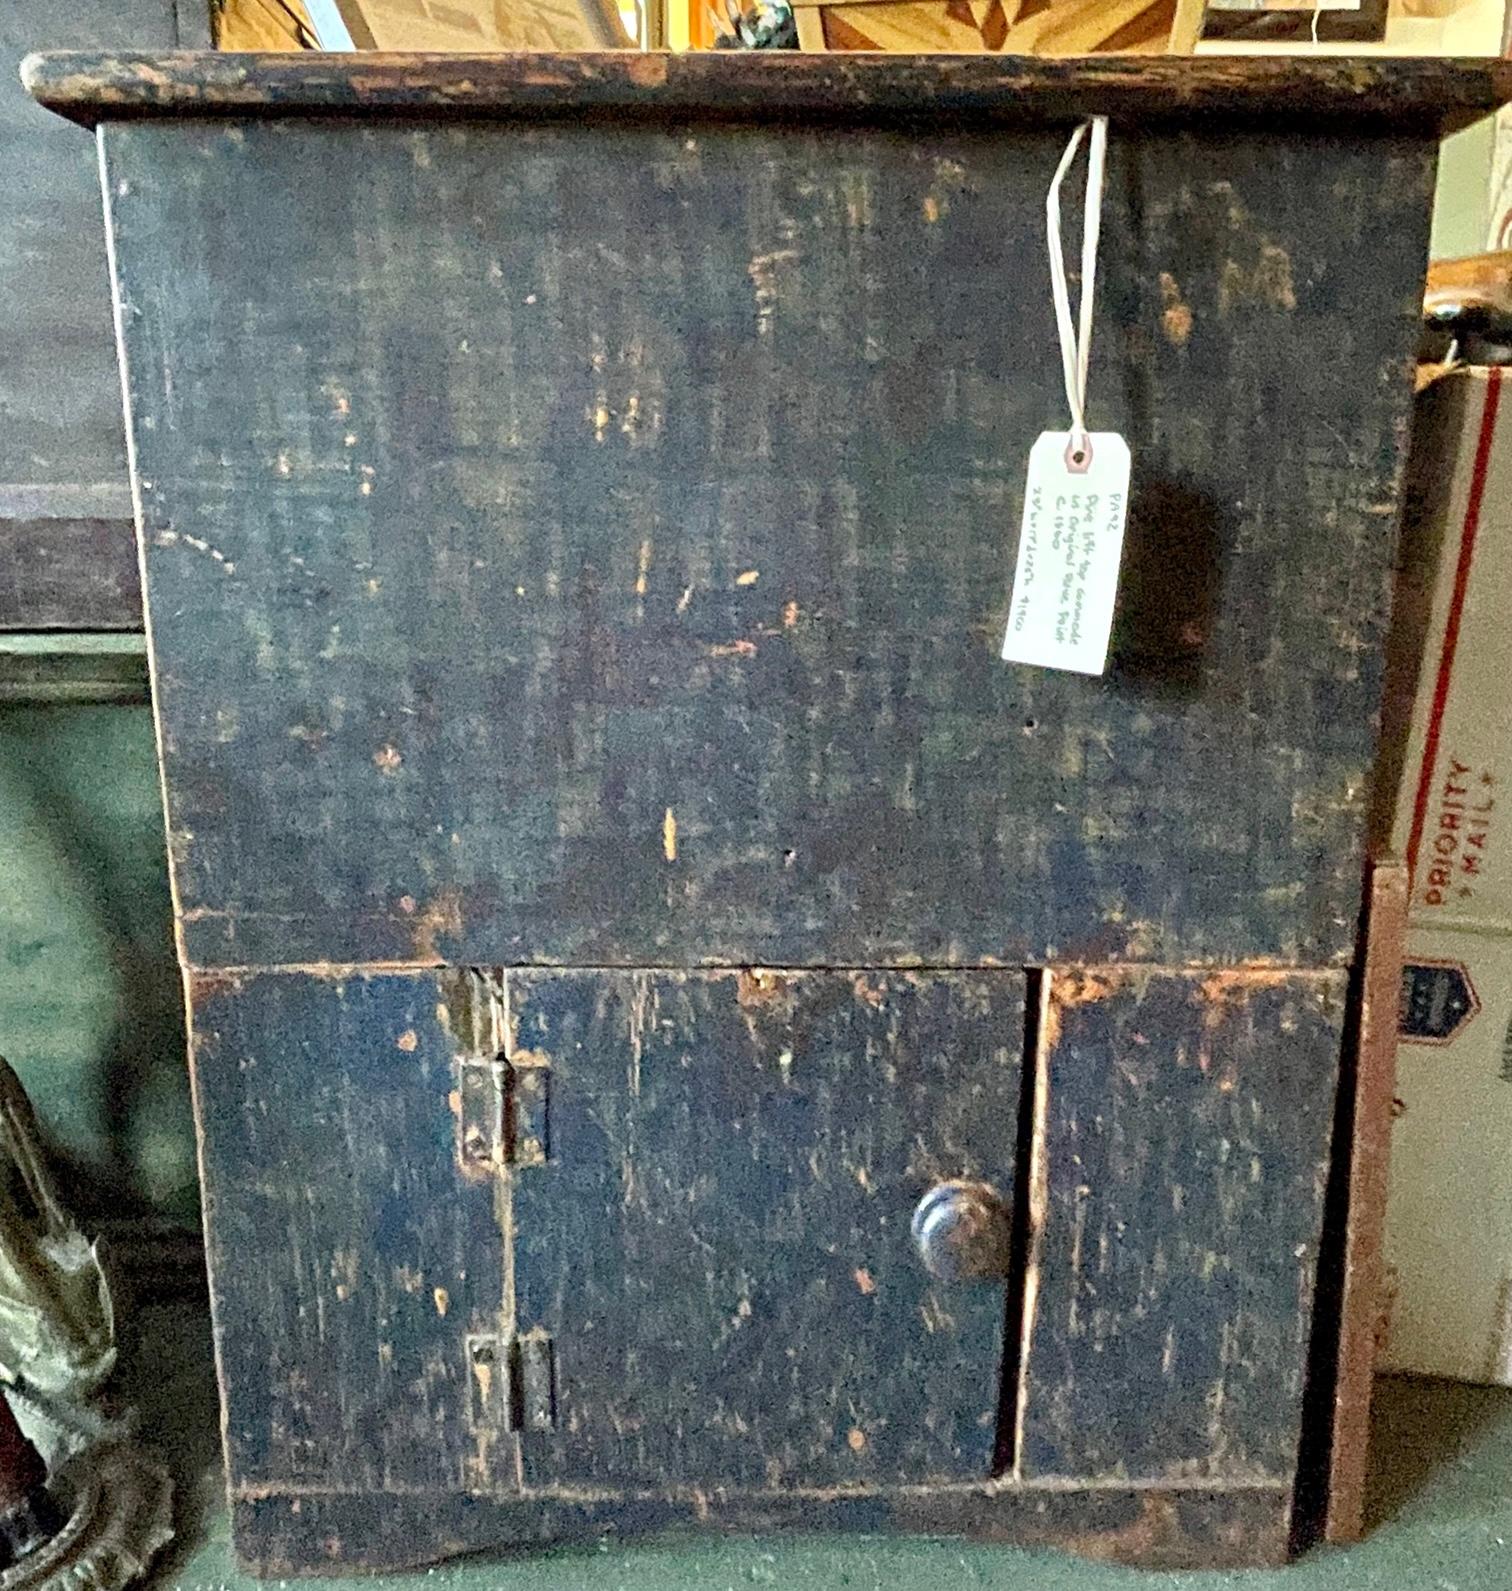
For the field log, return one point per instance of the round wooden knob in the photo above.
(963, 1232)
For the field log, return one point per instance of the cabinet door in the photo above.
(691, 1191)
(349, 1260)
(1177, 1210)
(718, 1241)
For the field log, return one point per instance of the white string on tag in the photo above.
(1076, 489)
(1076, 342)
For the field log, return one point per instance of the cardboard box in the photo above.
(1449, 1211)
(1449, 715)
(1446, 774)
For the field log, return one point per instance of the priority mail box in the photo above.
(1446, 772)
(1451, 671)
(1449, 1212)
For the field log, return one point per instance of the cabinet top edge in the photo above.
(1430, 95)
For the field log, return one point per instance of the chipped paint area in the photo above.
(1175, 313)
(1066, 989)
(1236, 986)
(874, 791)
(870, 988)
(1265, 283)
(756, 988)
(1150, 1536)
(770, 273)
(719, 1106)
(562, 600)
(1184, 1119)
(440, 915)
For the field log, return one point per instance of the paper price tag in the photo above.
(1069, 549)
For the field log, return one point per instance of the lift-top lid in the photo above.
(92, 86)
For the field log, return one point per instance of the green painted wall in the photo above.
(90, 1012)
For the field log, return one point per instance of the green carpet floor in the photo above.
(1440, 1507)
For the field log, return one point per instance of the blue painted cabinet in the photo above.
(682, 1032)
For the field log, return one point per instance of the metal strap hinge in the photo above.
(503, 1114)
(514, 1381)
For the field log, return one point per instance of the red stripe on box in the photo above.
(1456, 613)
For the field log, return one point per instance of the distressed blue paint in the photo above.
(336, 1216)
(721, 1243)
(609, 475)
(1188, 1123)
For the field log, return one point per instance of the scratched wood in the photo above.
(581, 546)
(285, 1534)
(1425, 93)
(348, 1259)
(1181, 1157)
(720, 1245)
(631, 591)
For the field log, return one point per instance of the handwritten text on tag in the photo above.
(1069, 548)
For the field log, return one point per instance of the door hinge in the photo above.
(503, 1114)
(514, 1381)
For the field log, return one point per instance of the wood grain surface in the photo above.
(1433, 94)
(609, 557)
(717, 1246)
(1176, 1210)
(613, 864)
(294, 1532)
(721, 1243)
(348, 1259)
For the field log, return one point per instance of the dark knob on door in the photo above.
(963, 1232)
